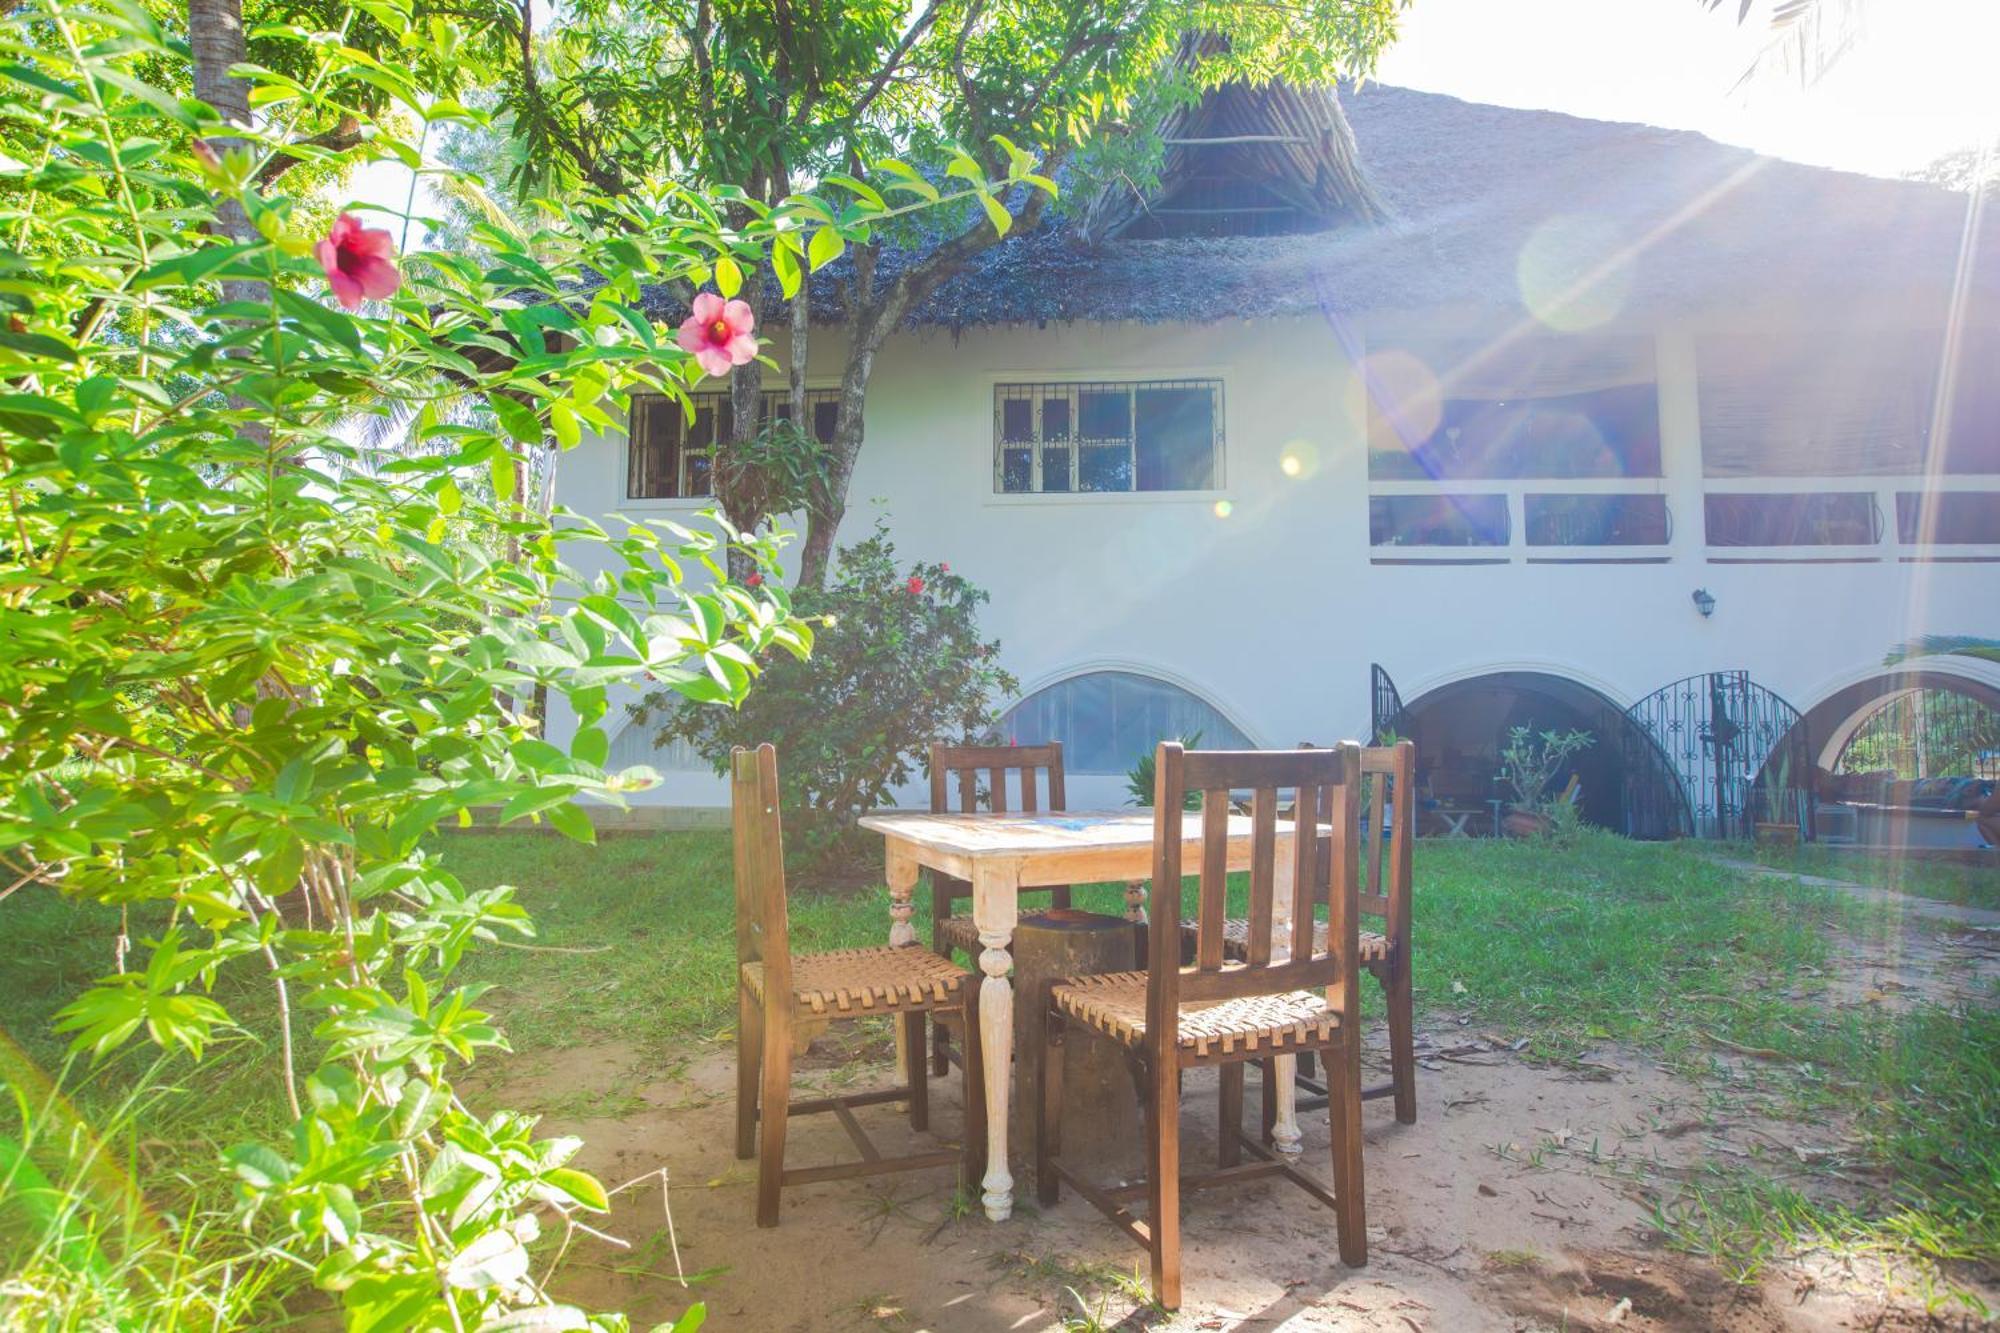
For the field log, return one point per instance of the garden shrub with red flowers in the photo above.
(897, 663)
(248, 664)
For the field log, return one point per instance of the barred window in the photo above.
(669, 457)
(1154, 435)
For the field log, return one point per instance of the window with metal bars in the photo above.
(670, 457)
(1146, 435)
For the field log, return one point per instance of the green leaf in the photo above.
(827, 245)
(579, 1186)
(259, 1167)
(1002, 220)
(573, 822)
(562, 419)
(728, 277)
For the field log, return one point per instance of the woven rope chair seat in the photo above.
(867, 981)
(959, 932)
(1236, 940)
(1115, 1004)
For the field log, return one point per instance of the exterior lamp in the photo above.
(1704, 602)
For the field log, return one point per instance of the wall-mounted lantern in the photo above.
(1704, 602)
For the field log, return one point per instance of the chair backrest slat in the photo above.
(1321, 780)
(1212, 905)
(1263, 871)
(1386, 834)
(992, 763)
(763, 933)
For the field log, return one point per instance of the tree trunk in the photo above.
(874, 315)
(215, 37)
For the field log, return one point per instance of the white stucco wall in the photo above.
(1274, 612)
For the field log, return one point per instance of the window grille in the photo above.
(1151, 435)
(669, 457)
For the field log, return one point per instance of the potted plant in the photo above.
(1528, 764)
(1778, 804)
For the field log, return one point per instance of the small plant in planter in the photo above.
(1528, 765)
(1777, 804)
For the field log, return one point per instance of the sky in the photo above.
(1918, 82)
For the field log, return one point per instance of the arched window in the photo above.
(1106, 720)
(634, 745)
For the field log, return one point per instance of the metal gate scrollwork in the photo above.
(1736, 751)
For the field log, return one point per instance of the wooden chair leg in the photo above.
(1402, 1040)
(940, 1048)
(972, 1063)
(777, 1096)
(1048, 1107)
(1229, 1146)
(1343, 1109)
(1163, 1134)
(749, 1047)
(1267, 1110)
(914, 1025)
(940, 910)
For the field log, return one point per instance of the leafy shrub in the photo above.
(897, 663)
(250, 663)
(1142, 782)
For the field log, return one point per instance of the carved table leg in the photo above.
(1285, 1136)
(1135, 901)
(995, 897)
(901, 872)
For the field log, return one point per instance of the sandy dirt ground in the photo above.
(1518, 1201)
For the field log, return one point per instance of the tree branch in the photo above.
(336, 140)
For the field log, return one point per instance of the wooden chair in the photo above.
(1388, 772)
(964, 766)
(1386, 848)
(774, 987)
(1244, 1011)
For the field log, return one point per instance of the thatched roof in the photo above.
(1450, 197)
(1266, 160)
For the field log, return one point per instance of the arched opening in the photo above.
(1461, 730)
(1108, 720)
(1905, 757)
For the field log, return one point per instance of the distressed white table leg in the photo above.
(1135, 901)
(995, 908)
(1285, 1136)
(900, 870)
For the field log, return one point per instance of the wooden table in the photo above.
(1002, 854)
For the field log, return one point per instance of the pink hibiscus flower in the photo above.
(359, 262)
(718, 333)
(916, 586)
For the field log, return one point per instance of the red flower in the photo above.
(359, 262)
(916, 586)
(718, 333)
(752, 580)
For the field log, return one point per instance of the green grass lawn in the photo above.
(1946, 881)
(1658, 947)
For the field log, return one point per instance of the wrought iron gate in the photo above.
(1734, 753)
(1388, 707)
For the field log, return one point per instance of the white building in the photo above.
(1541, 416)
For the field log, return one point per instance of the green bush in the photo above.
(897, 663)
